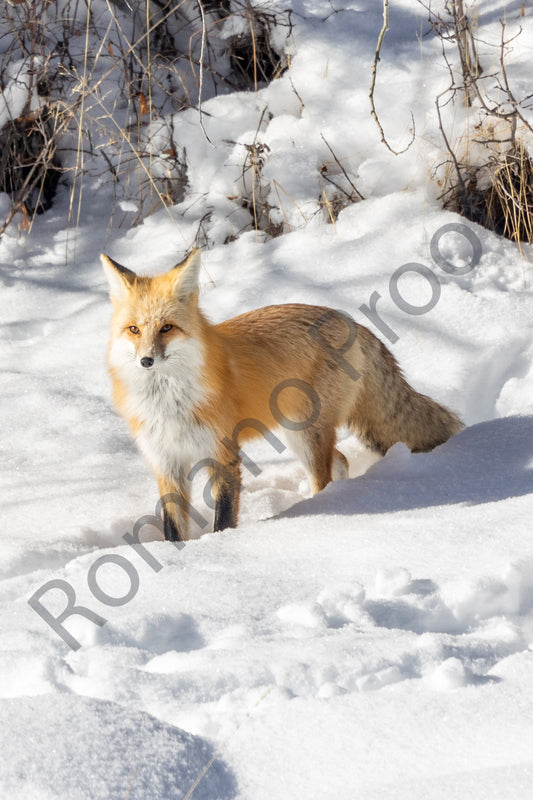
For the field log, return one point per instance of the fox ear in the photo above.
(120, 278)
(187, 272)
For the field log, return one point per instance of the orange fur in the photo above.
(193, 392)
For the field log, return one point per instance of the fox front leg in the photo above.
(226, 508)
(225, 485)
(170, 529)
(226, 491)
(176, 509)
(222, 490)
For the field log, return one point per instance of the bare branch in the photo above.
(338, 163)
(383, 31)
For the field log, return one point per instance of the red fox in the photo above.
(192, 392)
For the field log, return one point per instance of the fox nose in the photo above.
(147, 362)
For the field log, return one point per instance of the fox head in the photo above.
(155, 319)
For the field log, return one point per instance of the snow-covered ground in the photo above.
(374, 641)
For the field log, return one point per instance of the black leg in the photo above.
(170, 529)
(225, 509)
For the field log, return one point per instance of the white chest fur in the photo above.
(164, 400)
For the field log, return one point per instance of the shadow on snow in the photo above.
(485, 463)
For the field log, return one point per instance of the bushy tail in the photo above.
(387, 410)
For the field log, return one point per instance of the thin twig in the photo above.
(285, 192)
(383, 31)
(354, 187)
(201, 73)
(80, 160)
(448, 145)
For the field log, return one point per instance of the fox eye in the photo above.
(134, 329)
(166, 328)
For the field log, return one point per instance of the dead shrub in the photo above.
(29, 168)
(498, 194)
(114, 74)
(489, 170)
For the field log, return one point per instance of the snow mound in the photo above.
(60, 747)
(485, 463)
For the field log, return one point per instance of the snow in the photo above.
(373, 641)
(16, 96)
(148, 757)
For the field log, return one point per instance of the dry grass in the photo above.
(491, 182)
(104, 88)
(489, 170)
(510, 200)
